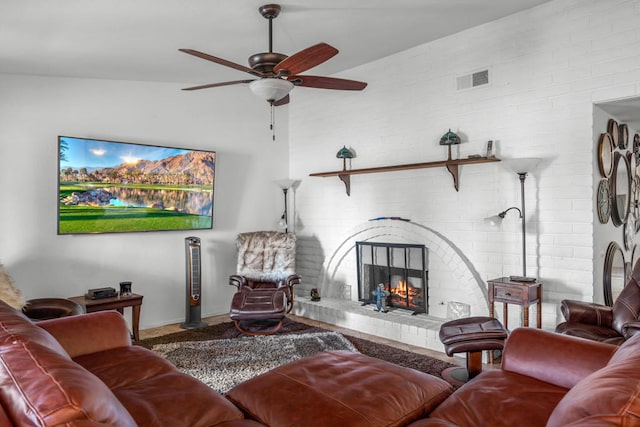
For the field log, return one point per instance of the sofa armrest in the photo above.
(586, 312)
(89, 333)
(629, 329)
(554, 358)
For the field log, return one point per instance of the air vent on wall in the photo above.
(469, 81)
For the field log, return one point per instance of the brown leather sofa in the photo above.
(549, 379)
(82, 371)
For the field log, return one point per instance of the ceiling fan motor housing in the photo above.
(264, 62)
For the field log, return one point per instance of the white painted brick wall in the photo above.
(549, 65)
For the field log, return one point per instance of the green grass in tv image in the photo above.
(111, 219)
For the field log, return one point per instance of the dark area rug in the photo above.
(388, 353)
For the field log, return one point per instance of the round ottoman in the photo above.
(51, 308)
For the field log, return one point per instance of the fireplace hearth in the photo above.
(400, 268)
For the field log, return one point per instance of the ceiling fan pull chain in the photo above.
(272, 127)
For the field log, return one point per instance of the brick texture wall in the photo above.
(548, 67)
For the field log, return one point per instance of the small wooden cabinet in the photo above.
(508, 291)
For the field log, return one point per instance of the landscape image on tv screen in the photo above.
(113, 187)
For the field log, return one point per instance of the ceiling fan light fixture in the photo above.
(271, 89)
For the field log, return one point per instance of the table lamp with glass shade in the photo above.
(522, 167)
(344, 153)
(449, 139)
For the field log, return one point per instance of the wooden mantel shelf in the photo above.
(451, 165)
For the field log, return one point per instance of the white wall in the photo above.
(35, 110)
(548, 66)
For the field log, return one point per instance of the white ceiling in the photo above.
(139, 39)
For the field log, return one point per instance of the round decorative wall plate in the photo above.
(623, 136)
(612, 128)
(604, 201)
(620, 189)
(605, 155)
(629, 233)
(633, 163)
(635, 200)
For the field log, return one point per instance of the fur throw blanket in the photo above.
(266, 255)
(8, 293)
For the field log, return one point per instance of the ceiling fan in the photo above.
(277, 74)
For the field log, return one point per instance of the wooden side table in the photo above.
(507, 292)
(116, 303)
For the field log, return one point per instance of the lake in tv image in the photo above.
(111, 187)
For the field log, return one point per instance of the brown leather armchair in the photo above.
(266, 260)
(603, 323)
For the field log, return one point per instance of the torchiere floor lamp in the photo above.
(522, 167)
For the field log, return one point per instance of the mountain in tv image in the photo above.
(194, 167)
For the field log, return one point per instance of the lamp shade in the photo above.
(493, 221)
(271, 89)
(285, 184)
(345, 153)
(522, 165)
(450, 138)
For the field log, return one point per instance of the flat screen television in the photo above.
(117, 187)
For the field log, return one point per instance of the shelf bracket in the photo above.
(346, 178)
(453, 170)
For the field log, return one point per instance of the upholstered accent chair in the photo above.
(265, 271)
(603, 323)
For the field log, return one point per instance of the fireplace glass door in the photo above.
(400, 268)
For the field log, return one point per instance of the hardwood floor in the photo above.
(168, 329)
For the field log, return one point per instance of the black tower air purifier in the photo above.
(193, 287)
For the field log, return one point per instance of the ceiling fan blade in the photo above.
(282, 101)
(234, 82)
(222, 62)
(306, 59)
(327, 83)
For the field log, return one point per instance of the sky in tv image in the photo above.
(99, 154)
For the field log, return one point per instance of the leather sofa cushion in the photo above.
(610, 395)
(498, 398)
(554, 358)
(590, 332)
(40, 387)
(149, 388)
(339, 388)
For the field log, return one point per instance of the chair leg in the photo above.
(474, 363)
(290, 302)
(270, 331)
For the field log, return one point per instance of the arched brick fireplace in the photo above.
(452, 275)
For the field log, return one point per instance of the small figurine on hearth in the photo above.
(315, 296)
(380, 294)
